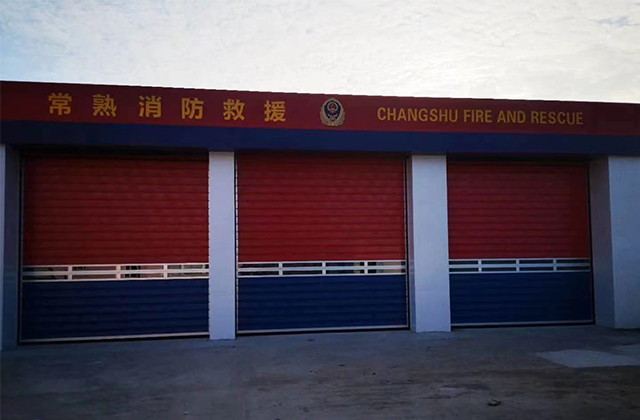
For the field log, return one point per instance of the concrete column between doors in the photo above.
(428, 243)
(615, 231)
(222, 246)
(9, 245)
(3, 165)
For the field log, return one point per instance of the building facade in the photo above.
(133, 212)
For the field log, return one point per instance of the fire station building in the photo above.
(136, 212)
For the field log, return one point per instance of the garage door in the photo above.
(321, 242)
(519, 242)
(114, 246)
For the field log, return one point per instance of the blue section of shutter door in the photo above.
(90, 309)
(321, 302)
(503, 298)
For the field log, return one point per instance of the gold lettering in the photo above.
(434, 114)
(275, 111)
(192, 108)
(467, 115)
(233, 109)
(562, 117)
(535, 117)
(402, 116)
(543, 117)
(104, 105)
(381, 115)
(150, 106)
(412, 114)
(511, 117)
(423, 114)
(579, 120)
(60, 103)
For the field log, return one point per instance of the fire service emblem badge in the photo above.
(332, 113)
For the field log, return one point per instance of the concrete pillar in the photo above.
(615, 230)
(9, 245)
(3, 165)
(222, 246)
(428, 244)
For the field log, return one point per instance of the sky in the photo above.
(585, 50)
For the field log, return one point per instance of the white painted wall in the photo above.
(222, 246)
(428, 244)
(624, 183)
(615, 229)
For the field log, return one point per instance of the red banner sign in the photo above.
(194, 107)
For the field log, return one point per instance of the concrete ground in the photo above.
(531, 373)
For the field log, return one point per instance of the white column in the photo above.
(9, 245)
(222, 246)
(428, 244)
(3, 166)
(615, 230)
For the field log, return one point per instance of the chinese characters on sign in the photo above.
(104, 106)
(274, 111)
(233, 108)
(60, 104)
(150, 106)
(192, 108)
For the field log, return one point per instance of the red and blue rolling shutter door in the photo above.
(114, 246)
(321, 241)
(519, 242)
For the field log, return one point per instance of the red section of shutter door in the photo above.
(518, 210)
(320, 207)
(97, 209)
